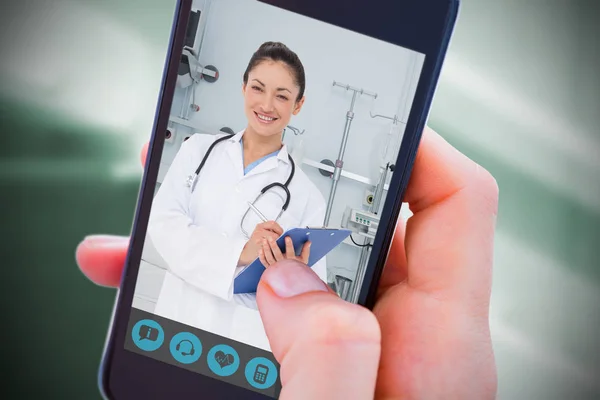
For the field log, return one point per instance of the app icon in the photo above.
(147, 335)
(185, 347)
(261, 373)
(223, 360)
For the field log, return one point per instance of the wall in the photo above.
(328, 53)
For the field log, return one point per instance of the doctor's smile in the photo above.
(264, 118)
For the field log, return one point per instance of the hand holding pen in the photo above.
(269, 252)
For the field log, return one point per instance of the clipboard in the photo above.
(323, 241)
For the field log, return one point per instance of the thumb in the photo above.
(327, 348)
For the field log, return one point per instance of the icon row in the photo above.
(222, 359)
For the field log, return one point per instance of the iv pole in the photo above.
(339, 163)
(365, 251)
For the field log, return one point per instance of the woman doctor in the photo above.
(207, 233)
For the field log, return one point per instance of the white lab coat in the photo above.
(198, 234)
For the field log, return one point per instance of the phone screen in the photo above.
(276, 117)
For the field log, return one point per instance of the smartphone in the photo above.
(300, 113)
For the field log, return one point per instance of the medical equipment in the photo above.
(361, 222)
(339, 164)
(366, 247)
(192, 29)
(394, 119)
(197, 25)
(389, 150)
(342, 286)
(325, 172)
(191, 180)
(227, 130)
(191, 71)
(296, 131)
(295, 143)
(170, 134)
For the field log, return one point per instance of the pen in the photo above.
(264, 219)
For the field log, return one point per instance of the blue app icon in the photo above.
(261, 373)
(148, 335)
(185, 348)
(223, 360)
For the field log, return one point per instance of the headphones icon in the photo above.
(183, 353)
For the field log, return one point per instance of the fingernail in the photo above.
(106, 241)
(288, 279)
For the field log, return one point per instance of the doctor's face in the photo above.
(270, 98)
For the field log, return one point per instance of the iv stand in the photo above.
(395, 118)
(365, 251)
(339, 163)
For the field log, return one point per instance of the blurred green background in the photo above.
(520, 94)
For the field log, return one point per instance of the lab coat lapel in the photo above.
(234, 152)
(271, 163)
(265, 166)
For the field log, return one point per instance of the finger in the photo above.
(273, 227)
(448, 247)
(449, 238)
(275, 250)
(305, 254)
(327, 348)
(395, 270)
(277, 228)
(268, 253)
(102, 259)
(144, 153)
(263, 233)
(289, 247)
(258, 235)
(272, 235)
(261, 257)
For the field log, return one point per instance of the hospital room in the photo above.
(358, 96)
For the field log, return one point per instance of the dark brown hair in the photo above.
(277, 51)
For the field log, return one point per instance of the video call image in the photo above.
(293, 124)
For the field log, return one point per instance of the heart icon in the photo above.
(223, 359)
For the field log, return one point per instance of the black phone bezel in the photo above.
(424, 26)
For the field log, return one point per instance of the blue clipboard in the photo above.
(323, 240)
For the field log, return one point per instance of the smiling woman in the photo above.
(208, 231)
(274, 85)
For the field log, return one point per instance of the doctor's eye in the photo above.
(284, 98)
(257, 88)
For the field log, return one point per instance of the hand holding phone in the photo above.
(205, 189)
(404, 316)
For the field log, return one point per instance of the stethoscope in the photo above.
(191, 180)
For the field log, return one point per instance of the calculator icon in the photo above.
(260, 374)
